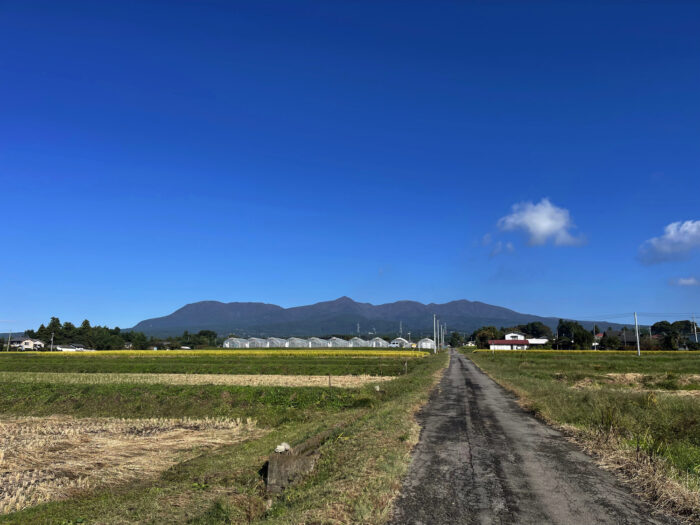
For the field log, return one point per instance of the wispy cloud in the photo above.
(502, 247)
(542, 222)
(687, 281)
(678, 240)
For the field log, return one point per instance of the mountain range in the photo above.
(340, 316)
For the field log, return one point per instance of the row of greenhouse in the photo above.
(333, 342)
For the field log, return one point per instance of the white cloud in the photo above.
(542, 222)
(688, 281)
(678, 240)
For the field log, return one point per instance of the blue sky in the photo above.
(534, 155)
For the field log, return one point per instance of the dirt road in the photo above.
(481, 459)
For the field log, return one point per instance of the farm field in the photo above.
(175, 448)
(640, 415)
(284, 362)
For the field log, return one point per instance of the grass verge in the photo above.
(650, 437)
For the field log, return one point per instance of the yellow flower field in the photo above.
(312, 352)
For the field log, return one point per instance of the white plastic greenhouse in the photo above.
(357, 342)
(400, 342)
(276, 342)
(235, 342)
(316, 342)
(426, 344)
(255, 342)
(378, 342)
(296, 342)
(337, 342)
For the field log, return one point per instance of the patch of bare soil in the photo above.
(44, 459)
(345, 381)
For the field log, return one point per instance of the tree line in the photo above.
(571, 335)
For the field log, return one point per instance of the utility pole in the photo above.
(435, 331)
(400, 328)
(636, 331)
(52, 341)
(409, 337)
(695, 329)
(9, 338)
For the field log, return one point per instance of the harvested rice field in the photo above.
(182, 437)
(345, 381)
(46, 459)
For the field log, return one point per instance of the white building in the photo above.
(426, 344)
(357, 342)
(337, 342)
(378, 342)
(511, 341)
(400, 342)
(276, 342)
(297, 342)
(235, 342)
(256, 342)
(31, 344)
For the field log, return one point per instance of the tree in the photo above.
(455, 340)
(482, 335)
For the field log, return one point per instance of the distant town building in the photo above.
(516, 341)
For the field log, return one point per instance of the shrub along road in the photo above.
(482, 459)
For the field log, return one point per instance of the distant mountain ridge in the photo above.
(340, 316)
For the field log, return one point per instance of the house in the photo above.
(26, 343)
(509, 344)
(426, 344)
(378, 342)
(400, 342)
(471, 344)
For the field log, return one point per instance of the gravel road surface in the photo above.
(482, 459)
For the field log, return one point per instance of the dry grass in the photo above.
(44, 459)
(191, 379)
(651, 477)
